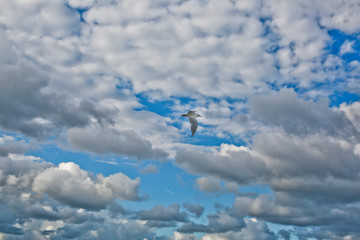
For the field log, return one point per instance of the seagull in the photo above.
(192, 115)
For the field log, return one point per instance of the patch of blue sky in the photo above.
(277, 227)
(162, 108)
(79, 10)
(338, 98)
(124, 84)
(338, 38)
(16, 136)
(173, 185)
(105, 165)
(276, 86)
(203, 139)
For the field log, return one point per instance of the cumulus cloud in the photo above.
(186, 40)
(274, 50)
(69, 184)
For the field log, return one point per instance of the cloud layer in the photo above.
(276, 82)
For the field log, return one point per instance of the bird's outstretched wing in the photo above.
(191, 112)
(194, 125)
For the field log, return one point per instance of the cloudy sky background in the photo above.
(93, 145)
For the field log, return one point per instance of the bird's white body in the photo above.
(192, 115)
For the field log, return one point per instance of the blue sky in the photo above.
(93, 145)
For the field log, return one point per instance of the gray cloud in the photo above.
(217, 223)
(209, 184)
(194, 208)
(9, 144)
(296, 116)
(284, 234)
(165, 214)
(241, 167)
(107, 229)
(8, 229)
(115, 209)
(335, 218)
(39, 111)
(106, 141)
(161, 224)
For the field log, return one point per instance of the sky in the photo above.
(93, 145)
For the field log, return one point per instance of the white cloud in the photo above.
(340, 15)
(347, 47)
(352, 112)
(69, 184)
(21, 157)
(39, 18)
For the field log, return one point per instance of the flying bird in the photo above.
(192, 115)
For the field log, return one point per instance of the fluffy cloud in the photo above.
(69, 184)
(182, 41)
(159, 44)
(40, 18)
